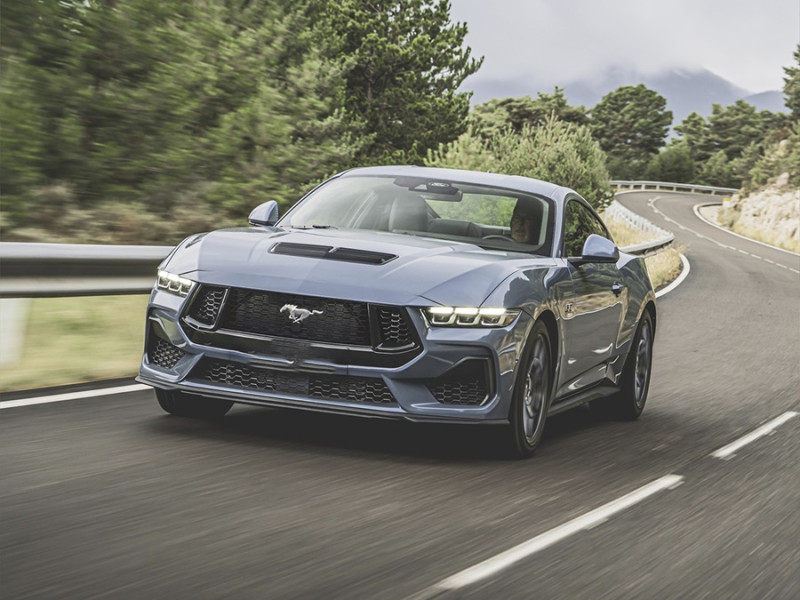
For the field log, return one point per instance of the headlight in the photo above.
(174, 283)
(447, 316)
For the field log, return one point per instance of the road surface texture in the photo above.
(108, 497)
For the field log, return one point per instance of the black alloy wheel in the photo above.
(628, 403)
(532, 391)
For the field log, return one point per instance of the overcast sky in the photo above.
(748, 42)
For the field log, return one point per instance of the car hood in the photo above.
(420, 270)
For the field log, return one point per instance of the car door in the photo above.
(592, 305)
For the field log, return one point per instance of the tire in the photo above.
(189, 405)
(628, 403)
(532, 392)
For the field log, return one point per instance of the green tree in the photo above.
(563, 153)
(229, 101)
(739, 131)
(402, 64)
(694, 131)
(674, 164)
(734, 127)
(491, 117)
(717, 171)
(791, 85)
(631, 124)
(272, 110)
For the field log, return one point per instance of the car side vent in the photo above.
(366, 257)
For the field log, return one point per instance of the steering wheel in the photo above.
(497, 236)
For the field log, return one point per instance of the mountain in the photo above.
(686, 90)
(773, 101)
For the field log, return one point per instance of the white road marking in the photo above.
(678, 280)
(696, 210)
(591, 519)
(728, 451)
(73, 396)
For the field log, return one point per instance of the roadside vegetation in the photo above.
(74, 340)
(144, 121)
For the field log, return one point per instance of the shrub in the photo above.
(556, 151)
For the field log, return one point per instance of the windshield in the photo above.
(490, 217)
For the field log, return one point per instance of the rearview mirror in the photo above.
(264, 214)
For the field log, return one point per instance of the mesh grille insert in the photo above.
(163, 354)
(395, 331)
(313, 385)
(206, 304)
(466, 384)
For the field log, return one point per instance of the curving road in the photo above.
(108, 498)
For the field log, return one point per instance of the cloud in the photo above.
(558, 41)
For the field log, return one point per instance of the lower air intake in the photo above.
(163, 354)
(325, 387)
(466, 384)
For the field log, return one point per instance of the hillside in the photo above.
(686, 90)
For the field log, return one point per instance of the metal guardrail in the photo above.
(33, 270)
(663, 237)
(672, 187)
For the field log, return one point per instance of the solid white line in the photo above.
(729, 450)
(678, 280)
(696, 209)
(591, 519)
(73, 396)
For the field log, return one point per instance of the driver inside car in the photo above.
(524, 222)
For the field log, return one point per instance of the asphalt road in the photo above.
(110, 498)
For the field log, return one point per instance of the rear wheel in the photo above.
(628, 403)
(189, 405)
(531, 398)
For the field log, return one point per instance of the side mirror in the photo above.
(264, 214)
(597, 249)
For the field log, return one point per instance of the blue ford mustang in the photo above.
(407, 292)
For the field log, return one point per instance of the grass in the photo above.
(767, 236)
(730, 220)
(75, 340)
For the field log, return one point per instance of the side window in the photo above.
(579, 224)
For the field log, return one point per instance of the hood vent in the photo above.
(366, 257)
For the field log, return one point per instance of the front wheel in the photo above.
(189, 405)
(531, 397)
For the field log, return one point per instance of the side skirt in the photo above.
(582, 397)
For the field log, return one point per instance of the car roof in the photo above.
(511, 182)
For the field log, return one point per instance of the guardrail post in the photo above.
(13, 321)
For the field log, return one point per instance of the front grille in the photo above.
(466, 384)
(395, 331)
(206, 304)
(313, 385)
(321, 319)
(163, 354)
(216, 315)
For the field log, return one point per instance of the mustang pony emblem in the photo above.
(297, 315)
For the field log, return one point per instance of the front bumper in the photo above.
(460, 375)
